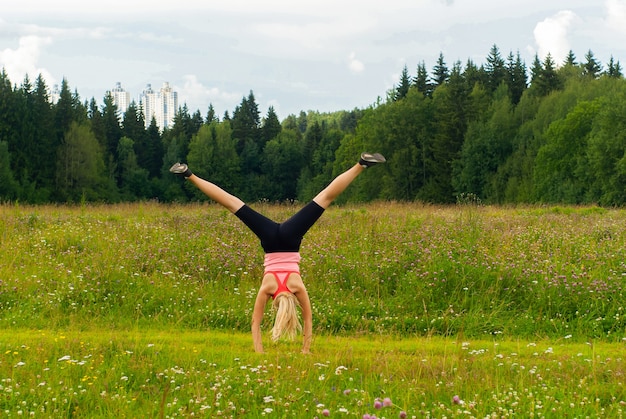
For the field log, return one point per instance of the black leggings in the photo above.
(281, 237)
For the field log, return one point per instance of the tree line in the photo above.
(499, 132)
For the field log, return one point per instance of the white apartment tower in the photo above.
(121, 99)
(147, 101)
(55, 94)
(161, 105)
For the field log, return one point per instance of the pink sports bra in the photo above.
(281, 265)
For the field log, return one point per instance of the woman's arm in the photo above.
(257, 318)
(307, 319)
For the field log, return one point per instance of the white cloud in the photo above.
(616, 15)
(551, 35)
(193, 92)
(308, 35)
(355, 65)
(24, 59)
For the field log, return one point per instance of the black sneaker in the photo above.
(180, 169)
(370, 159)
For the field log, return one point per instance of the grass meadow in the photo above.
(467, 311)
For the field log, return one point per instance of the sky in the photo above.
(322, 55)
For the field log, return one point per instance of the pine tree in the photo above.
(403, 86)
(63, 111)
(112, 135)
(544, 76)
(516, 77)
(134, 128)
(45, 143)
(614, 69)
(570, 68)
(591, 66)
(245, 122)
(550, 78)
(570, 59)
(472, 75)
(270, 127)
(440, 71)
(422, 81)
(97, 123)
(155, 152)
(210, 115)
(536, 71)
(495, 69)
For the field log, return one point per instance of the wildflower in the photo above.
(378, 404)
(387, 402)
(326, 412)
(457, 400)
(340, 369)
(402, 414)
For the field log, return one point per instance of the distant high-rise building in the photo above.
(55, 94)
(147, 101)
(169, 104)
(121, 99)
(161, 105)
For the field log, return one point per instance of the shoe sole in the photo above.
(178, 169)
(373, 158)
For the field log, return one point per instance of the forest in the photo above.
(498, 132)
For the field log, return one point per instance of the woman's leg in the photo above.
(341, 182)
(337, 186)
(296, 226)
(264, 228)
(219, 195)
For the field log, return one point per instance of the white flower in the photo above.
(340, 369)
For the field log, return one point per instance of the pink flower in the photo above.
(326, 412)
(387, 402)
(402, 414)
(457, 400)
(378, 404)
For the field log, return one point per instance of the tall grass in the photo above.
(403, 269)
(144, 310)
(152, 374)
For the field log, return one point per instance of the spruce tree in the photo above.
(440, 71)
(591, 66)
(403, 86)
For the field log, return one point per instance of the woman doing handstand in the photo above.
(281, 243)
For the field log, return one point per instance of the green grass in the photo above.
(143, 310)
(152, 373)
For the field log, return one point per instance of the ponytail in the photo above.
(287, 322)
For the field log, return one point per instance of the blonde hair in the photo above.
(287, 321)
